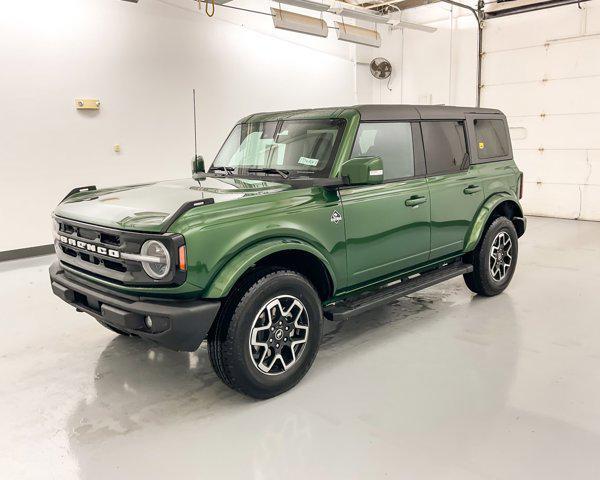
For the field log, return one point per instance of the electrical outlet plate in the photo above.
(87, 104)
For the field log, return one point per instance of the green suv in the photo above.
(303, 215)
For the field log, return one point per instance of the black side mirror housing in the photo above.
(363, 171)
(198, 167)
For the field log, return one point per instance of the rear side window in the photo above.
(445, 147)
(392, 142)
(492, 139)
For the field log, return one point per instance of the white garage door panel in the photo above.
(565, 59)
(553, 97)
(551, 200)
(515, 99)
(521, 30)
(554, 166)
(507, 67)
(574, 58)
(594, 161)
(565, 132)
(593, 16)
(590, 205)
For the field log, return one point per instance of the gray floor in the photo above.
(442, 385)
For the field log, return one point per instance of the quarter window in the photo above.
(445, 147)
(392, 142)
(492, 139)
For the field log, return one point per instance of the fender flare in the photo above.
(235, 268)
(483, 216)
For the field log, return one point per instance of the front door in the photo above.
(455, 188)
(387, 225)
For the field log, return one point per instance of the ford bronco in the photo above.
(303, 215)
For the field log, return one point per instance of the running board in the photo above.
(361, 303)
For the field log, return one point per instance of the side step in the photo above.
(361, 303)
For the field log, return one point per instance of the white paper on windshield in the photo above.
(311, 162)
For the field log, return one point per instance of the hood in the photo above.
(148, 207)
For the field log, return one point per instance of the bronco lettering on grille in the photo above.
(90, 247)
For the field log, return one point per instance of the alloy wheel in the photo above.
(279, 334)
(500, 256)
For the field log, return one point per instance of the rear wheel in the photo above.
(268, 334)
(495, 259)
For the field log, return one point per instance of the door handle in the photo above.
(471, 189)
(415, 201)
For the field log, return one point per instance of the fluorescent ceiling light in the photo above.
(295, 22)
(317, 6)
(353, 34)
(413, 26)
(364, 14)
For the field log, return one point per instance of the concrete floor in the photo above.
(440, 385)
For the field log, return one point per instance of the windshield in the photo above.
(303, 147)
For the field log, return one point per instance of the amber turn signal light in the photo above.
(182, 258)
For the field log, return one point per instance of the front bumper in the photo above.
(178, 325)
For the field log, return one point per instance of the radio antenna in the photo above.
(195, 136)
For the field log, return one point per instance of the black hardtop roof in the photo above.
(375, 112)
(418, 112)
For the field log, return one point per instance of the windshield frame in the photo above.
(341, 124)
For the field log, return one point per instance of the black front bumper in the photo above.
(178, 325)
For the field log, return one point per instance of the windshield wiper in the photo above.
(283, 173)
(225, 169)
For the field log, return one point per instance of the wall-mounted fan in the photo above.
(381, 68)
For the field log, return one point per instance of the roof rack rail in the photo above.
(184, 208)
(89, 188)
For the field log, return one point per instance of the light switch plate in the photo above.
(87, 104)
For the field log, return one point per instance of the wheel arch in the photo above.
(283, 252)
(500, 204)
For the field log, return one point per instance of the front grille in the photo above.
(93, 236)
(97, 251)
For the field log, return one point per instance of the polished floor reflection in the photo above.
(441, 385)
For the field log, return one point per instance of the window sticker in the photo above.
(481, 145)
(311, 162)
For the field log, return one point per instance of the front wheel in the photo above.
(494, 259)
(268, 334)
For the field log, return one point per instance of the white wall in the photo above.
(541, 68)
(436, 68)
(142, 61)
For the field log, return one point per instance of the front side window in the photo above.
(492, 139)
(445, 147)
(392, 142)
(306, 147)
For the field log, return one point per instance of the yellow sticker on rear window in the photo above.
(481, 145)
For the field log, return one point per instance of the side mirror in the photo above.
(363, 171)
(197, 166)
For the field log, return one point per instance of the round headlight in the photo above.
(160, 264)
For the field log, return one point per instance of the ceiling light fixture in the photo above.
(353, 34)
(316, 6)
(295, 22)
(398, 24)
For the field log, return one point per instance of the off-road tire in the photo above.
(228, 341)
(480, 280)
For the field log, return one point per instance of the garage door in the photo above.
(543, 70)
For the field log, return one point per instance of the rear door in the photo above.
(387, 225)
(455, 188)
(492, 156)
